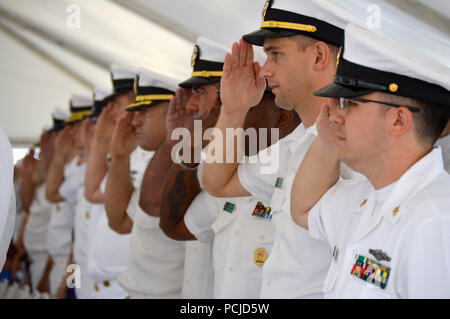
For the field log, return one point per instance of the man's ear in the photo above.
(322, 55)
(284, 117)
(400, 120)
(446, 130)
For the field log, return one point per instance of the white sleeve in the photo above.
(258, 179)
(325, 217)
(69, 189)
(201, 215)
(133, 204)
(7, 205)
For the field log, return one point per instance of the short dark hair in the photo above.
(303, 42)
(430, 121)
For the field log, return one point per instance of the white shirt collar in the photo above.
(406, 188)
(297, 136)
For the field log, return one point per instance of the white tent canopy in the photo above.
(43, 59)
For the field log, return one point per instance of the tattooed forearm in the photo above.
(180, 189)
(177, 197)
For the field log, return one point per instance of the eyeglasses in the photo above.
(343, 103)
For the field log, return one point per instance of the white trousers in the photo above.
(57, 273)
(37, 266)
(107, 290)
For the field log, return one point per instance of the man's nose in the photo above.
(137, 118)
(192, 104)
(266, 71)
(337, 115)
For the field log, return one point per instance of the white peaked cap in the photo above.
(80, 101)
(372, 62)
(211, 50)
(372, 50)
(120, 72)
(330, 11)
(100, 93)
(59, 114)
(149, 78)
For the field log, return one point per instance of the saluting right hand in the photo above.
(178, 116)
(325, 127)
(64, 142)
(124, 139)
(241, 87)
(105, 124)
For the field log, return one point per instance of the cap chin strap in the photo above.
(288, 25)
(207, 74)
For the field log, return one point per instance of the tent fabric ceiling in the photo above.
(43, 61)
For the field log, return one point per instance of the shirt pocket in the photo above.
(221, 228)
(260, 231)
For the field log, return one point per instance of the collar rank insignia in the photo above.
(262, 211)
(229, 207)
(371, 271)
(379, 254)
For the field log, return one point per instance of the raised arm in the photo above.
(180, 188)
(64, 148)
(97, 164)
(118, 185)
(241, 88)
(157, 170)
(318, 172)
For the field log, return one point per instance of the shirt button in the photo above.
(236, 232)
(262, 237)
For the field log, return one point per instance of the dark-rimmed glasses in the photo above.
(343, 101)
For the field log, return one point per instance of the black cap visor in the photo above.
(198, 81)
(337, 90)
(257, 37)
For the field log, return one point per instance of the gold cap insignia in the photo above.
(393, 87)
(338, 57)
(264, 10)
(136, 84)
(195, 55)
(260, 256)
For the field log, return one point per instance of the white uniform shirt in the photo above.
(108, 251)
(60, 229)
(396, 248)
(297, 265)
(238, 238)
(7, 196)
(81, 227)
(155, 264)
(35, 235)
(444, 143)
(198, 278)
